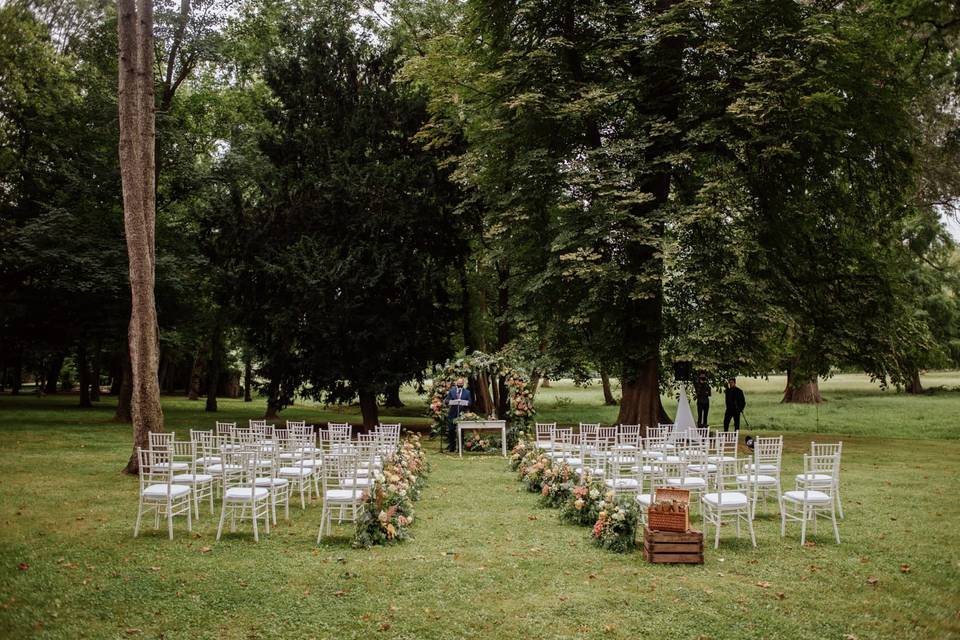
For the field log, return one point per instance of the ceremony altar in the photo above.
(482, 425)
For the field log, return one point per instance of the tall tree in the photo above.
(136, 108)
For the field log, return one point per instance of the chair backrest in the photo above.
(256, 423)
(543, 430)
(150, 472)
(768, 451)
(339, 471)
(725, 443)
(243, 436)
(161, 440)
(225, 428)
(818, 464)
(658, 432)
(195, 434)
(589, 428)
(296, 423)
(821, 452)
(211, 445)
(185, 451)
(628, 434)
(340, 429)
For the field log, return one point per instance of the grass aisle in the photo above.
(486, 561)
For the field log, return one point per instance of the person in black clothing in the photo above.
(701, 388)
(736, 403)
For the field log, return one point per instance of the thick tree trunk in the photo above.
(393, 396)
(273, 399)
(802, 392)
(482, 399)
(125, 394)
(193, 389)
(914, 386)
(213, 369)
(247, 380)
(53, 372)
(640, 403)
(534, 384)
(83, 369)
(368, 409)
(608, 398)
(95, 366)
(546, 383)
(135, 99)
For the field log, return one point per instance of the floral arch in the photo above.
(485, 372)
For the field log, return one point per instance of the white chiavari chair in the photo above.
(628, 437)
(158, 493)
(542, 431)
(225, 472)
(340, 489)
(163, 442)
(558, 438)
(651, 474)
(812, 501)
(245, 500)
(764, 469)
(622, 474)
(201, 484)
(268, 478)
(728, 499)
(299, 473)
(822, 477)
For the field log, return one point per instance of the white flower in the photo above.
(594, 494)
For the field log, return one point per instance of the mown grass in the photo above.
(486, 561)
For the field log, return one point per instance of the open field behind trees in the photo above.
(486, 561)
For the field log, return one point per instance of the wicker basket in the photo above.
(678, 522)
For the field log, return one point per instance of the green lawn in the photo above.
(486, 561)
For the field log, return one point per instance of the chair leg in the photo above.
(833, 518)
(803, 526)
(189, 518)
(716, 538)
(783, 519)
(839, 504)
(266, 516)
(136, 527)
(211, 500)
(223, 516)
(170, 519)
(753, 536)
(256, 532)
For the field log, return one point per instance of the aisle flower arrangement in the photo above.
(518, 453)
(477, 443)
(387, 513)
(616, 525)
(582, 500)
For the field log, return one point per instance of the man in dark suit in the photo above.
(701, 388)
(458, 400)
(736, 402)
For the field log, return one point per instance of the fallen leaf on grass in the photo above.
(151, 568)
(23, 566)
(205, 549)
(130, 631)
(763, 584)
(609, 628)
(339, 593)
(872, 580)
(781, 595)
(394, 607)
(564, 598)
(904, 568)
(384, 626)
(531, 517)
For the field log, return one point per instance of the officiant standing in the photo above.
(701, 388)
(458, 400)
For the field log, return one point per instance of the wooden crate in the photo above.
(669, 547)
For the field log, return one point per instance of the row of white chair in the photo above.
(249, 473)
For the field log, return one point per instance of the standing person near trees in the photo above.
(458, 400)
(736, 403)
(701, 388)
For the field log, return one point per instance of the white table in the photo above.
(482, 425)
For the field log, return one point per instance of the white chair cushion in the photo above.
(648, 469)
(622, 483)
(701, 468)
(295, 472)
(192, 478)
(763, 468)
(242, 494)
(814, 478)
(359, 482)
(644, 499)
(573, 461)
(815, 497)
(759, 479)
(159, 491)
(220, 468)
(546, 445)
(721, 459)
(290, 456)
(207, 460)
(271, 482)
(341, 495)
(593, 472)
(694, 483)
(652, 453)
(730, 499)
(625, 447)
(177, 466)
(671, 459)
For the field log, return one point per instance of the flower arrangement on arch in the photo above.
(616, 525)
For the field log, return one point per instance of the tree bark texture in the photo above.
(802, 392)
(607, 391)
(53, 372)
(393, 396)
(95, 365)
(136, 103)
(368, 409)
(247, 380)
(213, 368)
(125, 394)
(914, 386)
(193, 389)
